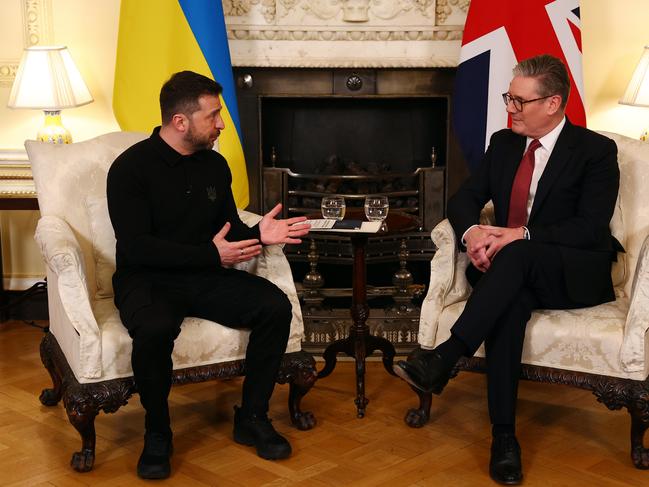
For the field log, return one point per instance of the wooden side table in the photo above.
(359, 344)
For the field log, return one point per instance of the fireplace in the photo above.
(311, 132)
(354, 146)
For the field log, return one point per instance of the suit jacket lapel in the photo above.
(559, 158)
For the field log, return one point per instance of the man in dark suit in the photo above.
(553, 187)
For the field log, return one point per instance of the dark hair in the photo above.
(551, 74)
(181, 92)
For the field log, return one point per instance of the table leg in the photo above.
(333, 349)
(359, 344)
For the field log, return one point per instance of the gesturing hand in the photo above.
(234, 252)
(274, 231)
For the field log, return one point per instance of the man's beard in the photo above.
(198, 142)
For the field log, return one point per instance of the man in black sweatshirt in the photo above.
(178, 236)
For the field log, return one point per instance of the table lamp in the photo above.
(48, 79)
(637, 92)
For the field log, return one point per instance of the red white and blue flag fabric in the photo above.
(498, 34)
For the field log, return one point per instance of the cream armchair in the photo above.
(87, 350)
(605, 348)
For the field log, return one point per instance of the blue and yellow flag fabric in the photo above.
(160, 37)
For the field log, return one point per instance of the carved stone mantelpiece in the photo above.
(345, 33)
(313, 33)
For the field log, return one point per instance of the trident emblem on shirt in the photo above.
(211, 193)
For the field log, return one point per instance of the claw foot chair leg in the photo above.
(302, 420)
(81, 413)
(639, 454)
(418, 417)
(298, 369)
(50, 397)
(638, 407)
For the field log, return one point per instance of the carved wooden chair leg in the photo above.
(302, 420)
(638, 407)
(82, 410)
(50, 397)
(418, 417)
(298, 369)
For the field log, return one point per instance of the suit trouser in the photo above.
(524, 275)
(233, 298)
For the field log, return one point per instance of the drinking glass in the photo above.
(333, 207)
(376, 208)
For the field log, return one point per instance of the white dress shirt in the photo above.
(541, 157)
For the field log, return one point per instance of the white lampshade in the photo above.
(637, 93)
(48, 79)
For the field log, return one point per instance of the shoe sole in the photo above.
(506, 482)
(404, 375)
(155, 476)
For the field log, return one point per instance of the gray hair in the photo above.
(550, 73)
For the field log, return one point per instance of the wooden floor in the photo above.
(567, 437)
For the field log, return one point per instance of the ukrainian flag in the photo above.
(160, 37)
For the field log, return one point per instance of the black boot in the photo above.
(256, 430)
(154, 460)
(505, 464)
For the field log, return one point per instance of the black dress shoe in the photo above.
(426, 372)
(257, 430)
(154, 460)
(505, 464)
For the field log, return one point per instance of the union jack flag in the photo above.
(498, 34)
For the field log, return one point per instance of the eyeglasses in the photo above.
(518, 102)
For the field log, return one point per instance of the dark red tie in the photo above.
(517, 216)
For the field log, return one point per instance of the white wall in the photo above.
(89, 29)
(614, 33)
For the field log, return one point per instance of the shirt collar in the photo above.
(549, 140)
(168, 153)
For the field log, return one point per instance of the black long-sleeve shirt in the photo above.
(166, 208)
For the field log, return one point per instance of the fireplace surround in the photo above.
(309, 132)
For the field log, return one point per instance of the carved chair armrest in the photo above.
(634, 353)
(62, 254)
(448, 283)
(272, 264)
(249, 218)
(487, 216)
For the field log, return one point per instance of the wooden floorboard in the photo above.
(567, 437)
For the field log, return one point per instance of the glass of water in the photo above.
(376, 208)
(333, 207)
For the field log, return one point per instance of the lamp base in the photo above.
(53, 131)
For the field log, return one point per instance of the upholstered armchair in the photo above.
(605, 348)
(87, 349)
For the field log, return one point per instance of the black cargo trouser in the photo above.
(154, 309)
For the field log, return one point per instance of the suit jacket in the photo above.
(572, 208)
